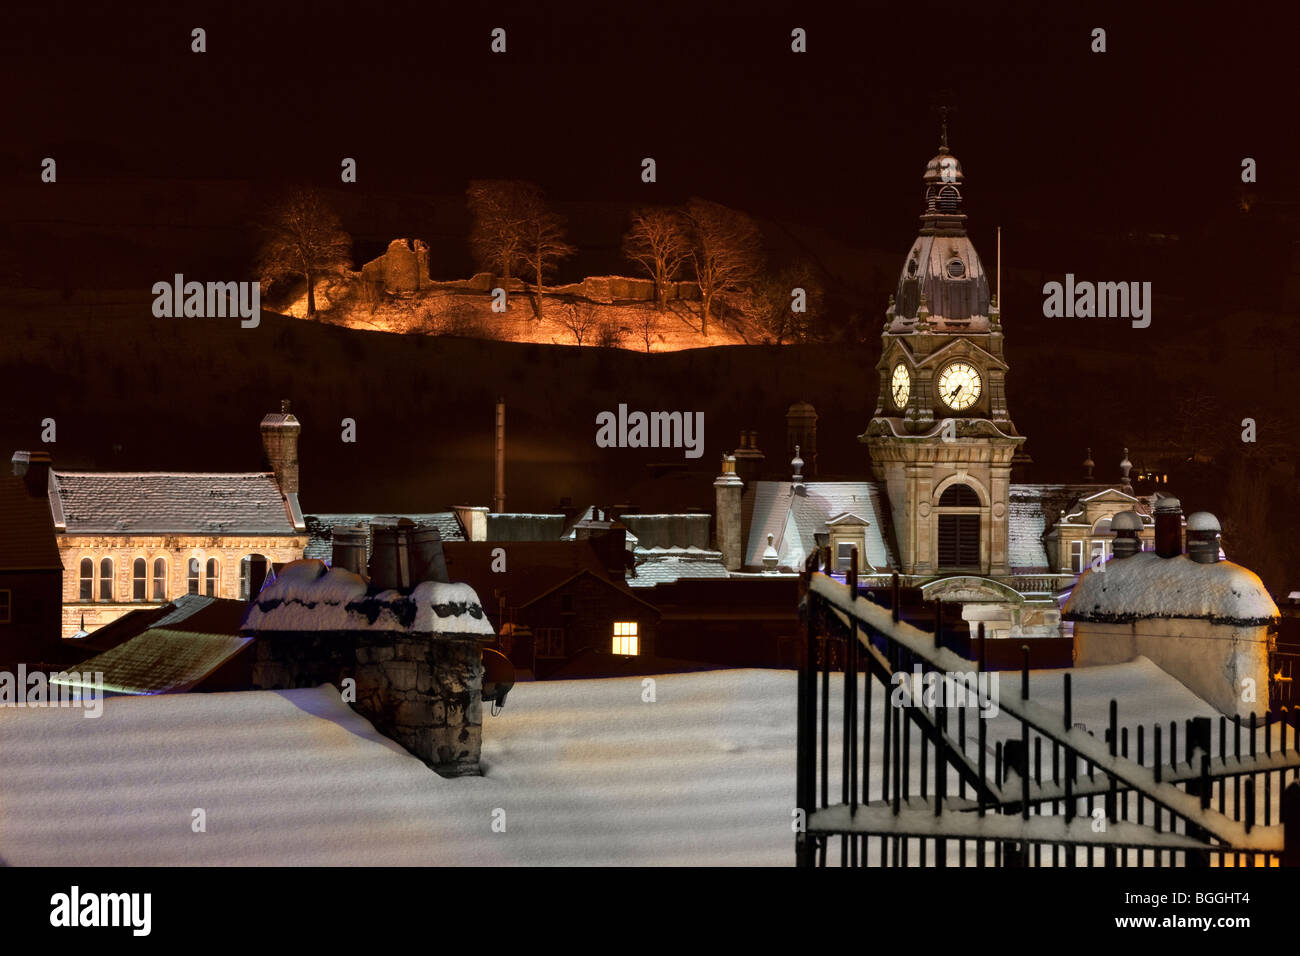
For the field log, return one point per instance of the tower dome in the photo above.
(942, 264)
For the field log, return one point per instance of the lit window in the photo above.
(106, 579)
(843, 555)
(139, 579)
(87, 579)
(6, 606)
(214, 573)
(160, 579)
(625, 638)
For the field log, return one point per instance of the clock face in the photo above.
(900, 385)
(959, 385)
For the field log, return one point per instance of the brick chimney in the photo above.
(33, 467)
(280, 442)
(1169, 527)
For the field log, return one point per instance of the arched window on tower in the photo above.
(949, 199)
(959, 528)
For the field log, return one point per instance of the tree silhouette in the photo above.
(725, 250)
(659, 241)
(303, 238)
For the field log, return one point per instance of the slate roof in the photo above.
(1033, 510)
(665, 565)
(189, 612)
(172, 503)
(794, 519)
(27, 541)
(160, 661)
(321, 529)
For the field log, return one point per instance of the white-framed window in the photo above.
(1100, 551)
(625, 638)
(844, 555)
(1076, 557)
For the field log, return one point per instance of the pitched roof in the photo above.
(27, 537)
(159, 661)
(793, 519)
(665, 565)
(321, 529)
(167, 502)
(189, 612)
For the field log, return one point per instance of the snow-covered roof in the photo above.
(321, 528)
(665, 565)
(309, 596)
(159, 661)
(1146, 585)
(795, 518)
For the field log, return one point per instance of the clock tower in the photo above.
(941, 437)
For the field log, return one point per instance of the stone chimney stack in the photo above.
(1127, 526)
(729, 535)
(1169, 527)
(749, 459)
(280, 442)
(1203, 537)
(33, 467)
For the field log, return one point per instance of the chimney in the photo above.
(34, 469)
(801, 431)
(1088, 465)
(280, 442)
(390, 556)
(499, 498)
(1203, 537)
(1127, 526)
(729, 538)
(1169, 527)
(349, 549)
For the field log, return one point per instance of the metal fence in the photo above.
(907, 770)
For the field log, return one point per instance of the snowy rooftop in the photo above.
(1146, 585)
(309, 596)
(586, 772)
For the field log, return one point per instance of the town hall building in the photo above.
(940, 508)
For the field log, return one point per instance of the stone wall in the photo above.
(404, 267)
(422, 690)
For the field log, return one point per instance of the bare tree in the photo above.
(498, 231)
(647, 324)
(659, 241)
(579, 318)
(784, 313)
(303, 238)
(544, 241)
(725, 250)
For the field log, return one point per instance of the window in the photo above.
(548, 642)
(106, 579)
(959, 533)
(211, 580)
(87, 580)
(949, 199)
(1076, 557)
(245, 577)
(956, 269)
(160, 579)
(139, 579)
(194, 576)
(843, 555)
(1100, 551)
(6, 607)
(625, 638)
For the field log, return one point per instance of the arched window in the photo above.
(194, 576)
(139, 579)
(959, 528)
(160, 579)
(87, 580)
(106, 579)
(1102, 541)
(211, 580)
(949, 199)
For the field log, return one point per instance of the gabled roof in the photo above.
(27, 537)
(794, 518)
(172, 503)
(189, 612)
